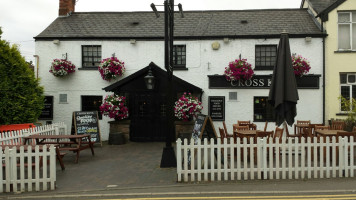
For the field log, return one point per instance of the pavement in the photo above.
(134, 168)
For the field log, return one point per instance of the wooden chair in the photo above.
(237, 128)
(278, 133)
(299, 130)
(227, 135)
(337, 125)
(222, 135)
(243, 123)
(265, 128)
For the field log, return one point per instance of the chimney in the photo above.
(66, 7)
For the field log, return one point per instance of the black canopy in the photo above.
(283, 94)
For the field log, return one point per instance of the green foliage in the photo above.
(350, 106)
(21, 96)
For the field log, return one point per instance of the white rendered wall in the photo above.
(202, 61)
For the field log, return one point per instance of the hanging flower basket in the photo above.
(114, 107)
(61, 67)
(239, 69)
(111, 68)
(301, 65)
(187, 107)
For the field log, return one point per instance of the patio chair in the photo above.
(237, 128)
(265, 128)
(222, 135)
(298, 127)
(337, 125)
(278, 133)
(227, 135)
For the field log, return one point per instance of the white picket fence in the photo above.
(16, 137)
(27, 170)
(265, 160)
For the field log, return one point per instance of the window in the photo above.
(92, 103)
(179, 56)
(265, 57)
(263, 111)
(347, 30)
(348, 88)
(232, 96)
(91, 56)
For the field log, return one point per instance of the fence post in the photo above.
(179, 159)
(56, 129)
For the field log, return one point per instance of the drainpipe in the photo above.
(37, 67)
(322, 30)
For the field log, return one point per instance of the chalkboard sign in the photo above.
(87, 122)
(203, 128)
(217, 108)
(47, 111)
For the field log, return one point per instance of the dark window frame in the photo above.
(347, 90)
(179, 56)
(89, 108)
(91, 58)
(259, 58)
(262, 112)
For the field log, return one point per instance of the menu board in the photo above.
(203, 128)
(47, 111)
(217, 108)
(87, 122)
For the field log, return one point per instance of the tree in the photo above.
(21, 96)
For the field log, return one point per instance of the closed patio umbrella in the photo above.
(283, 94)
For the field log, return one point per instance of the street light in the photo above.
(149, 79)
(168, 155)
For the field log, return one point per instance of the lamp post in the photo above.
(168, 155)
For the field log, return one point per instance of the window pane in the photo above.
(344, 17)
(345, 92)
(263, 111)
(353, 91)
(344, 36)
(92, 103)
(354, 36)
(343, 78)
(353, 16)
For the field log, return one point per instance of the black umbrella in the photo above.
(283, 94)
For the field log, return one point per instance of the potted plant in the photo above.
(187, 107)
(301, 65)
(114, 107)
(239, 69)
(111, 68)
(61, 67)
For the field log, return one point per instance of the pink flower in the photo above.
(239, 69)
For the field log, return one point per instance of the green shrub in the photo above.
(21, 96)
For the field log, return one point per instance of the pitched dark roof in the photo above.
(180, 85)
(320, 5)
(195, 24)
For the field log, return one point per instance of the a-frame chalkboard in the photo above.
(203, 128)
(87, 122)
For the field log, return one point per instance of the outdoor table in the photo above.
(298, 129)
(65, 142)
(245, 133)
(326, 132)
(17, 147)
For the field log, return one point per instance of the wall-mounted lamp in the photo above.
(226, 40)
(132, 41)
(308, 39)
(149, 79)
(56, 42)
(215, 45)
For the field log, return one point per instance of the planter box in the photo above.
(122, 126)
(183, 129)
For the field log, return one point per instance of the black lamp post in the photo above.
(168, 155)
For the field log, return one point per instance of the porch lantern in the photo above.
(150, 79)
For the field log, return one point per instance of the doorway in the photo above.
(148, 114)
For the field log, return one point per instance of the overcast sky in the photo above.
(21, 20)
